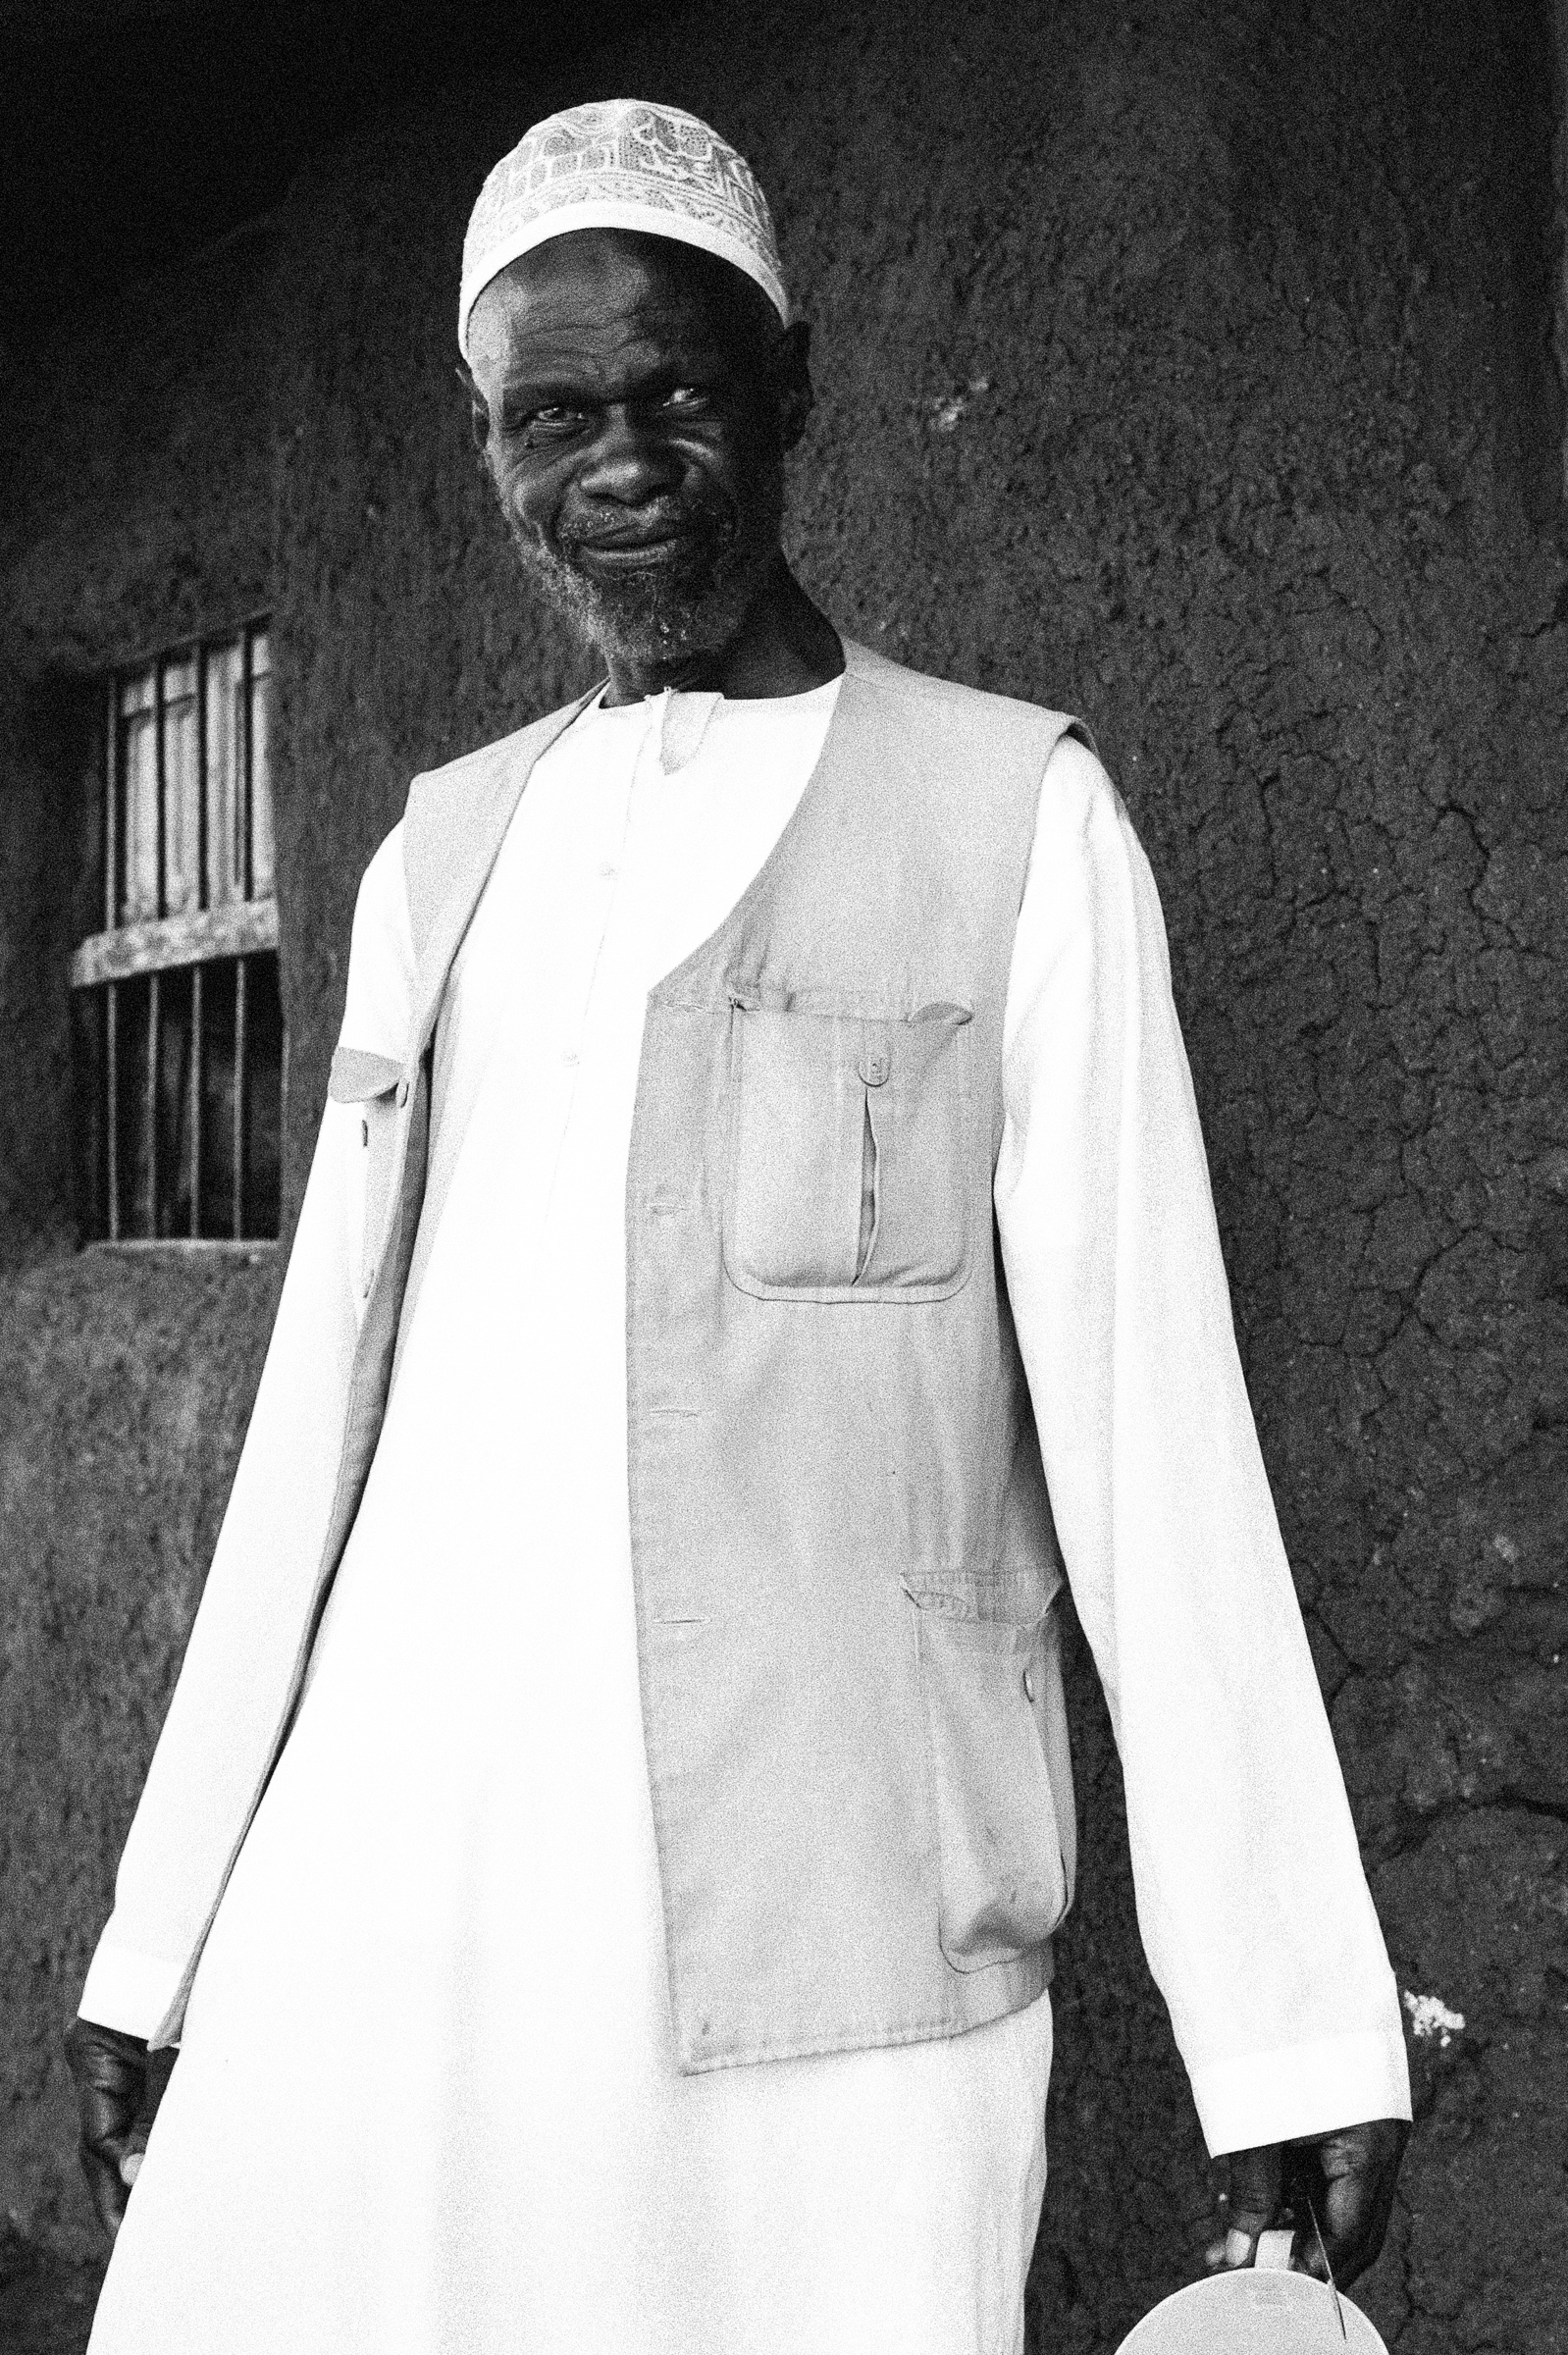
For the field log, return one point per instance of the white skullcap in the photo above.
(622, 164)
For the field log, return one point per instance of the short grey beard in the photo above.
(658, 623)
(657, 629)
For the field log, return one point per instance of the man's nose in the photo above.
(629, 462)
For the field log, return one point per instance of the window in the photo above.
(178, 1013)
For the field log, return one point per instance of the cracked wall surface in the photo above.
(1186, 365)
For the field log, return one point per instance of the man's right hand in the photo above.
(112, 2084)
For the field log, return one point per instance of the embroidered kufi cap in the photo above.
(623, 163)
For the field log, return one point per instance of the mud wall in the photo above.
(1190, 367)
(136, 508)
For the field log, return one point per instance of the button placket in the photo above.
(606, 873)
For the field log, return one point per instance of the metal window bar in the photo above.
(111, 813)
(283, 1082)
(247, 751)
(154, 1059)
(112, 1124)
(247, 748)
(240, 1078)
(197, 1049)
(193, 1102)
(160, 672)
(111, 909)
(159, 726)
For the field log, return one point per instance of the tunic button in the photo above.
(1028, 1685)
(402, 1092)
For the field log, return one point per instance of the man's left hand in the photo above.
(1348, 2177)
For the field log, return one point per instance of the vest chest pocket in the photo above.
(375, 1088)
(851, 1174)
(996, 1734)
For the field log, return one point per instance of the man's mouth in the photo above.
(627, 553)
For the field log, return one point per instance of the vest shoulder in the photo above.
(478, 766)
(456, 814)
(945, 704)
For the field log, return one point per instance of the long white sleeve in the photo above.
(1252, 1903)
(242, 1647)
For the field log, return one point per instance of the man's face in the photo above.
(634, 399)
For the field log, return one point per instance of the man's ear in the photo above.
(792, 380)
(478, 406)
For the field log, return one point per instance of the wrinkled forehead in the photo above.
(605, 295)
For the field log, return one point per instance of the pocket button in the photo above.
(873, 1065)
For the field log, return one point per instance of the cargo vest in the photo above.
(843, 1556)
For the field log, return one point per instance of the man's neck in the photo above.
(784, 647)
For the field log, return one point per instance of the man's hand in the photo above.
(1348, 2176)
(112, 2077)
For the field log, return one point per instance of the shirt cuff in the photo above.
(1302, 2089)
(128, 1991)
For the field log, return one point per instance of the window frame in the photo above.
(192, 941)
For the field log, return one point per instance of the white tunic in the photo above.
(427, 2098)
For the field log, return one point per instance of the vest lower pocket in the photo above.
(988, 1687)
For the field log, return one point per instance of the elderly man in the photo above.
(601, 1859)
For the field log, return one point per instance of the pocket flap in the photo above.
(357, 1076)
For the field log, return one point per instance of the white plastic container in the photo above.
(1263, 2310)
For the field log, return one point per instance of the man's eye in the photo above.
(685, 397)
(551, 423)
